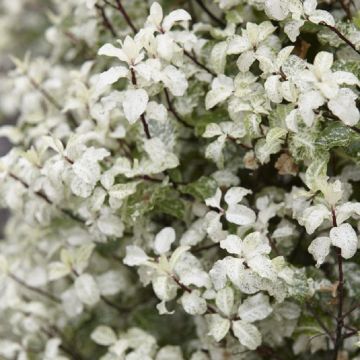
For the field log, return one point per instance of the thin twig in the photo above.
(50, 98)
(346, 8)
(34, 289)
(105, 300)
(69, 350)
(273, 245)
(352, 309)
(350, 334)
(205, 247)
(198, 63)
(210, 14)
(173, 111)
(43, 196)
(108, 302)
(320, 322)
(44, 92)
(106, 22)
(340, 291)
(210, 309)
(145, 126)
(126, 16)
(340, 35)
(142, 117)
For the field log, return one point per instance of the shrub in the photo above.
(183, 181)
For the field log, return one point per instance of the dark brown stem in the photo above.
(133, 77)
(210, 14)
(38, 193)
(320, 322)
(103, 298)
(334, 117)
(50, 99)
(142, 117)
(109, 303)
(351, 310)
(350, 334)
(34, 289)
(246, 147)
(126, 16)
(173, 111)
(340, 35)
(149, 178)
(145, 126)
(70, 351)
(106, 22)
(273, 245)
(210, 309)
(181, 285)
(203, 248)
(125, 147)
(43, 196)
(198, 63)
(346, 7)
(44, 93)
(340, 292)
(267, 352)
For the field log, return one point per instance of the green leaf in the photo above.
(356, 20)
(167, 201)
(271, 145)
(353, 149)
(316, 170)
(234, 15)
(302, 145)
(218, 57)
(201, 189)
(350, 66)
(300, 289)
(252, 125)
(140, 203)
(278, 115)
(308, 326)
(335, 134)
(201, 121)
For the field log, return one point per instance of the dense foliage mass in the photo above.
(183, 181)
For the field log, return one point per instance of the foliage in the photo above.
(183, 181)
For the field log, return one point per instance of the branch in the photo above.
(273, 245)
(340, 289)
(105, 19)
(350, 334)
(121, 8)
(142, 117)
(331, 116)
(46, 95)
(340, 35)
(352, 309)
(346, 8)
(34, 289)
(203, 248)
(198, 63)
(43, 196)
(50, 98)
(173, 111)
(210, 309)
(321, 323)
(108, 302)
(69, 350)
(210, 14)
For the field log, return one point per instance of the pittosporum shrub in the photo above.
(183, 181)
